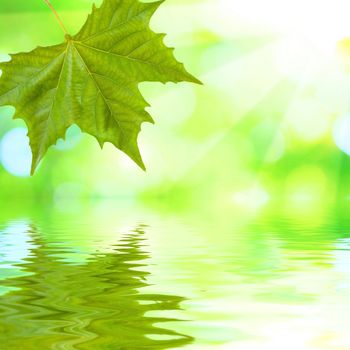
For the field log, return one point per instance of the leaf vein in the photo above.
(100, 91)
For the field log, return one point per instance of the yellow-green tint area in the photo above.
(237, 237)
(117, 275)
(273, 110)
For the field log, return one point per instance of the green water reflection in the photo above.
(54, 303)
(101, 280)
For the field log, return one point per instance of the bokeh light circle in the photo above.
(341, 132)
(15, 153)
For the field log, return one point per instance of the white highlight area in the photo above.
(341, 133)
(323, 22)
(15, 153)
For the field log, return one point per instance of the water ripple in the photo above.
(99, 304)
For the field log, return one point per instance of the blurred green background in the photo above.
(270, 126)
(266, 137)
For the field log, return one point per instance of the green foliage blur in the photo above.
(269, 126)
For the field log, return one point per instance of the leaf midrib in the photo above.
(52, 62)
(157, 66)
(99, 90)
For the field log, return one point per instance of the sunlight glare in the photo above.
(314, 24)
(309, 20)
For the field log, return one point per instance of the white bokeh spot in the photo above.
(341, 132)
(15, 153)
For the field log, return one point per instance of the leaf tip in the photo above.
(143, 167)
(36, 159)
(192, 79)
(138, 160)
(33, 168)
(197, 81)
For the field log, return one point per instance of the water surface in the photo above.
(158, 282)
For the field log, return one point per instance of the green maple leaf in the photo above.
(91, 80)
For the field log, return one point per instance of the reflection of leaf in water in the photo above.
(97, 305)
